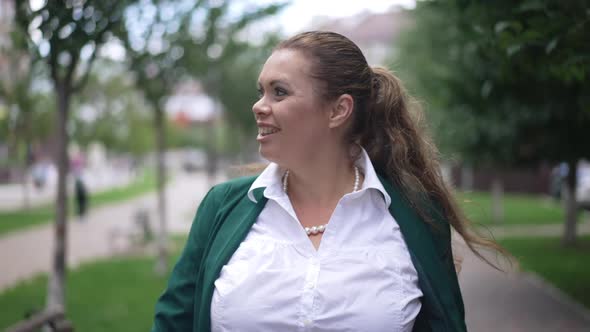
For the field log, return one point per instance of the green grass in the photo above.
(566, 268)
(518, 209)
(18, 219)
(110, 295)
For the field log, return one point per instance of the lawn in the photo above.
(567, 269)
(19, 219)
(109, 295)
(518, 209)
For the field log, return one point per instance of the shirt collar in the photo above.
(371, 179)
(271, 179)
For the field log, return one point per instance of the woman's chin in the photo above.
(264, 153)
(267, 153)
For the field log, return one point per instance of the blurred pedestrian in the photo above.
(348, 228)
(81, 196)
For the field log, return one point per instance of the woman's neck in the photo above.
(322, 179)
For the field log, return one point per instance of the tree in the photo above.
(110, 110)
(15, 89)
(226, 59)
(168, 41)
(543, 57)
(240, 66)
(66, 35)
(508, 83)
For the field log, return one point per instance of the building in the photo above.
(374, 33)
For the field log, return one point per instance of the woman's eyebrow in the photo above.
(275, 82)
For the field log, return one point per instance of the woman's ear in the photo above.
(341, 111)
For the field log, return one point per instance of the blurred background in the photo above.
(117, 116)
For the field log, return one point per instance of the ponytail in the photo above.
(388, 129)
(400, 148)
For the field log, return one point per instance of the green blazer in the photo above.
(223, 220)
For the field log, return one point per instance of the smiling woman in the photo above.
(290, 116)
(347, 229)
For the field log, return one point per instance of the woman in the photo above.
(346, 230)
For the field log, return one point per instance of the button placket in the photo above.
(309, 289)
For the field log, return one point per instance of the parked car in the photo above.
(194, 160)
(558, 179)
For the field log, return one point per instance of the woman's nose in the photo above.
(260, 108)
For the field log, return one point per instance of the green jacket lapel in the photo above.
(234, 227)
(424, 242)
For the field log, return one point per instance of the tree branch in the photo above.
(77, 86)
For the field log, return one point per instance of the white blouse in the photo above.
(361, 277)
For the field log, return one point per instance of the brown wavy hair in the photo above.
(388, 124)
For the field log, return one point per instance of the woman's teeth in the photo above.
(267, 131)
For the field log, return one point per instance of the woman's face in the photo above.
(291, 119)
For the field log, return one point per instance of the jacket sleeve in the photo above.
(174, 308)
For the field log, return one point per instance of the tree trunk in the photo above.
(571, 206)
(57, 277)
(467, 178)
(160, 125)
(497, 200)
(28, 159)
(211, 147)
(26, 188)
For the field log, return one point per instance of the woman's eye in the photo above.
(280, 92)
(260, 93)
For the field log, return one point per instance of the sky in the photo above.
(298, 15)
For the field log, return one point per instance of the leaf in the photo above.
(486, 88)
(513, 49)
(552, 44)
(501, 26)
(531, 5)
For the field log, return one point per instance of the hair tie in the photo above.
(375, 83)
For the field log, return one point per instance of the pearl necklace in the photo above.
(321, 228)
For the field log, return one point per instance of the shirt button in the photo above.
(307, 322)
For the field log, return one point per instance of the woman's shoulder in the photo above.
(221, 197)
(235, 185)
(230, 189)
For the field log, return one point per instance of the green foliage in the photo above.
(566, 268)
(110, 110)
(168, 42)
(67, 34)
(25, 123)
(20, 102)
(192, 136)
(227, 62)
(504, 84)
(239, 74)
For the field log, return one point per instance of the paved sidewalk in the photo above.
(516, 302)
(26, 253)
